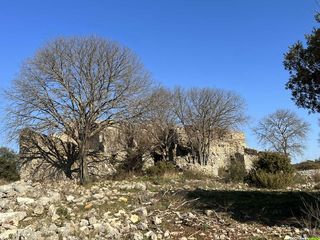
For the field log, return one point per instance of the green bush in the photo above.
(63, 212)
(272, 170)
(273, 180)
(161, 168)
(8, 165)
(237, 172)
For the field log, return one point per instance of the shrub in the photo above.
(273, 180)
(161, 168)
(272, 170)
(8, 165)
(237, 172)
(130, 167)
(63, 212)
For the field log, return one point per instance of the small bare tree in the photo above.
(154, 135)
(282, 131)
(205, 115)
(78, 86)
(161, 127)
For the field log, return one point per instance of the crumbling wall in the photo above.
(222, 151)
(56, 157)
(108, 152)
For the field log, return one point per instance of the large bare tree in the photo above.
(283, 131)
(205, 115)
(78, 86)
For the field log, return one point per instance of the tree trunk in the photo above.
(68, 172)
(84, 172)
(200, 155)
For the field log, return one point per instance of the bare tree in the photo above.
(78, 86)
(205, 115)
(282, 131)
(161, 126)
(154, 135)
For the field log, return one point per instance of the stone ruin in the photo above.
(55, 156)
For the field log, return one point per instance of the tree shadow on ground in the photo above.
(265, 207)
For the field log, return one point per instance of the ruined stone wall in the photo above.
(109, 152)
(222, 151)
(45, 157)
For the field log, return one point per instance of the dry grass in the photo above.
(171, 175)
(311, 218)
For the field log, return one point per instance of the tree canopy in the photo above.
(303, 63)
(78, 86)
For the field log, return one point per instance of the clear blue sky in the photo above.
(235, 45)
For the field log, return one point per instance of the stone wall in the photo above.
(109, 152)
(222, 152)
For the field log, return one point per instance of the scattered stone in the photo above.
(43, 201)
(151, 235)
(2, 195)
(134, 218)
(92, 220)
(137, 236)
(20, 188)
(112, 232)
(140, 186)
(85, 230)
(142, 226)
(12, 218)
(84, 222)
(39, 209)
(70, 198)
(25, 200)
(123, 199)
(53, 217)
(156, 220)
(6, 188)
(166, 234)
(141, 211)
(88, 206)
(8, 234)
(208, 212)
(99, 227)
(54, 196)
(222, 236)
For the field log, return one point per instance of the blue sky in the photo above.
(234, 45)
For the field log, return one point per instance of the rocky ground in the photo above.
(137, 209)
